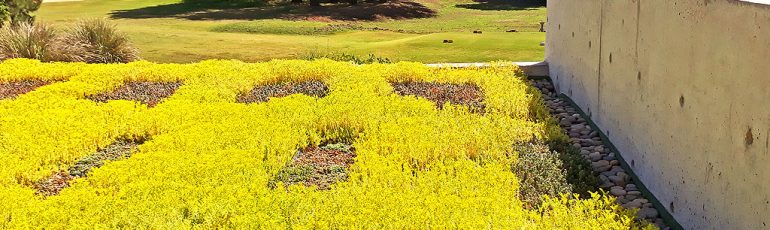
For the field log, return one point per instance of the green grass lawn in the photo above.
(169, 31)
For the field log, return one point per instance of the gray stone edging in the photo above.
(614, 173)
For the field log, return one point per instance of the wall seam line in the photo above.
(599, 77)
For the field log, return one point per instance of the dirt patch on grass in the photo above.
(148, 93)
(440, 93)
(320, 167)
(263, 93)
(53, 184)
(12, 89)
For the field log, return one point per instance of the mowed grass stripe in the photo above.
(172, 39)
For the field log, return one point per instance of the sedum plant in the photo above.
(210, 160)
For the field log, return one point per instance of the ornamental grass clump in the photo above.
(99, 41)
(34, 41)
(91, 41)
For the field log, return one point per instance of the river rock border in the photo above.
(613, 177)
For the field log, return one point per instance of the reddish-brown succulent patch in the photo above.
(53, 184)
(12, 89)
(441, 93)
(317, 166)
(148, 93)
(263, 93)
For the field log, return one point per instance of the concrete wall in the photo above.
(682, 88)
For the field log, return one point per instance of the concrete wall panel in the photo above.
(682, 88)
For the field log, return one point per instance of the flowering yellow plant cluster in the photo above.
(209, 159)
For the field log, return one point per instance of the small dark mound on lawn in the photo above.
(53, 184)
(263, 93)
(148, 93)
(317, 166)
(12, 89)
(441, 93)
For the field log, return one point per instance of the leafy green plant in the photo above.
(540, 173)
(291, 174)
(579, 172)
(99, 41)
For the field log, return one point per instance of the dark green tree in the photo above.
(5, 14)
(18, 11)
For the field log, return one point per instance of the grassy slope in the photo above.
(183, 40)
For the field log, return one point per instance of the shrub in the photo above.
(34, 41)
(540, 173)
(100, 42)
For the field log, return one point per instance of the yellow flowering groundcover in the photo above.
(208, 160)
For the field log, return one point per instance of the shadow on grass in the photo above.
(335, 12)
(504, 4)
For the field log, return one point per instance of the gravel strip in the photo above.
(603, 161)
(440, 93)
(12, 89)
(148, 93)
(263, 93)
